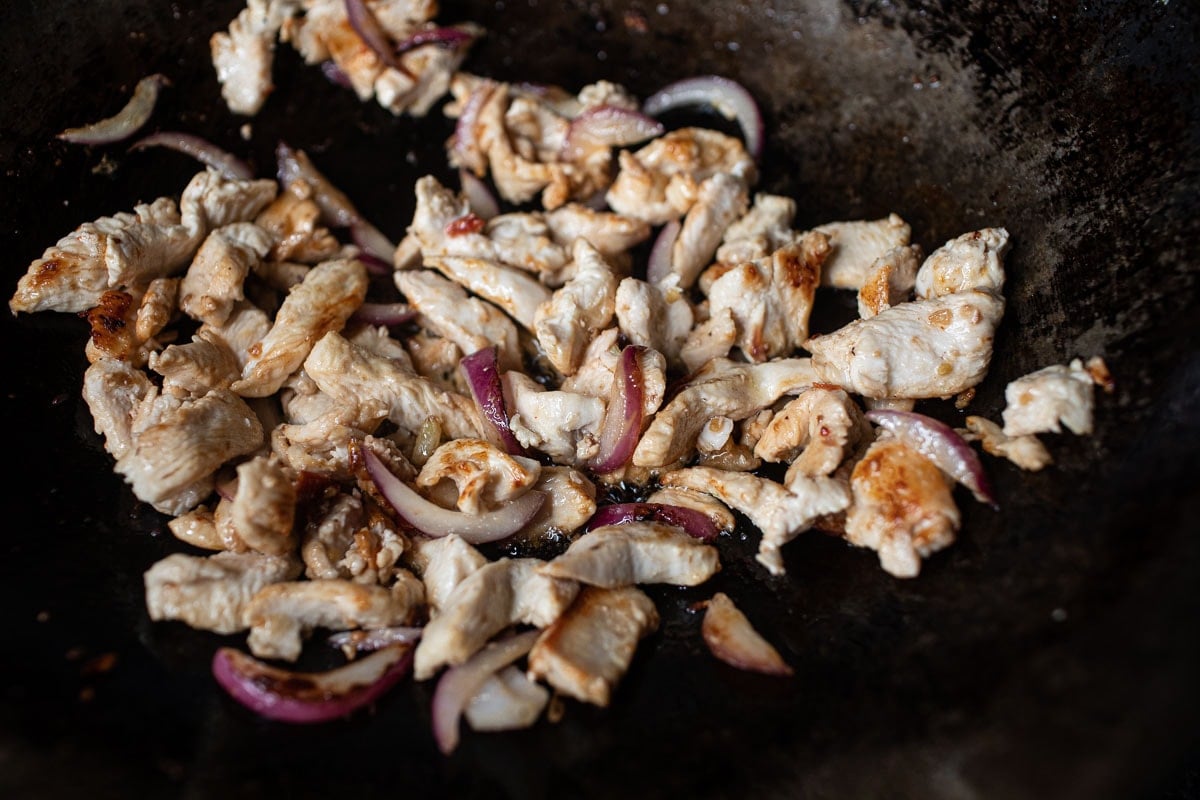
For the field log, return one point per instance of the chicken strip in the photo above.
(211, 593)
(1046, 400)
(613, 556)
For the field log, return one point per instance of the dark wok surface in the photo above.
(1051, 652)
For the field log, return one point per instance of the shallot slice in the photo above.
(940, 444)
(125, 122)
(607, 126)
(459, 684)
(368, 29)
(483, 377)
(731, 638)
(309, 697)
(658, 264)
(623, 417)
(695, 523)
(372, 640)
(728, 97)
(435, 521)
(200, 149)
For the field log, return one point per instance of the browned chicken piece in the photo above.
(722, 388)
(779, 513)
(447, 310)
(902, 507)
(196, 368)
(570, 503)
(613, 556)
(321, 304)
(244, 54)
(436, 359)
(379, 387)
(972, 262)
(506, 592)
(712, 338)
(199, 529)
(113, 323)
(211, 200)
(720, 200)
(349, 538)
(599, 364)
(179, 443)
(512, 290)
(323, 445)
(588, 650)
(443, 564)
(294, 220)
(661, 181)
(891, 282)
(280, 615)
(212, 592)
(814, 432)
(856, 245)
(1027, 452)
(246, 326)
(212, 285)
(113, 391)
(765, 228)
(425, 78)
(484, 477)
(771, 299)
(264, 508)
(922, 349)
(563, 425)
(731, 638)
(610, 233)
(157, 308)
(657, 317)
(1047, 400)
(570, 319)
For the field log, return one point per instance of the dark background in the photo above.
(1051, 652)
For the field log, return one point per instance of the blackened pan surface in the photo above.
(1050, 652)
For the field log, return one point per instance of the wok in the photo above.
(1050, 652)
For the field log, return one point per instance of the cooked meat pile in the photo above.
(241, 387)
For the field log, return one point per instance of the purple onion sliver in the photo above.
(125, 122)
(658, 264)
(388, 314)
(695, 523)
(940, 444)
(482, 372)
(619, 434)
(336, 75)
(368, 29)
(200, 149)
(607, 126)
(726, 96)
(479, 196)
(450, 37)
(372, 640)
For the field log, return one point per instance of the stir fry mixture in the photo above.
(338, 425)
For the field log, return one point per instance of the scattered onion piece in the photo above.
(336, 75)
(607, 126)
(370, 641)
(623, 417)
(731, 638)
(388, 314)
(464, 145)
(125, 122)
(940, 444)
(695, 523)
(364, 23)
(373, 243)
(435, 521)
(480, 197)
(481, 369)
(658, 264)
(728, 97)
(200, 149)
(335, 206)
(309, 697)
(459, 684)
(447, 37)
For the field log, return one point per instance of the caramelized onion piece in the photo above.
(368, 29)
(728, 97)
(309, 697)
(940, 444)
(200, 149)
(607, 126)
(459, 684)
(623, 417)
(731, 638)
(435, 521)
(483, 377)
(694, 522)
(125, 122)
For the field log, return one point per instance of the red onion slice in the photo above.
(623, 417)
(370, 641)
(658, 264)
(728, 97)
(388, 314)
(479, 196)
(607, 126)
(374, 244)
(482, 371)
(335, 206)
(465, 146)
(435, 521)
(695, 523)
(336, 75)
(125, 122)
(459, 684)
(368, 29)
(200, 149)
(447, 37)
(309, 697)
(941, 445)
